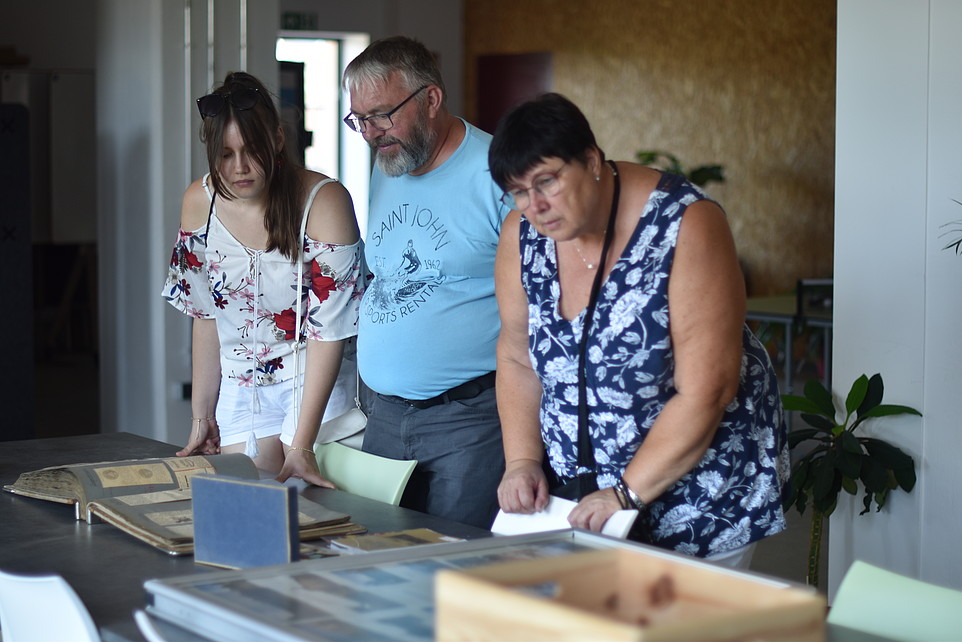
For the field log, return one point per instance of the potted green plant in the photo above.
(955, 229)
(700, 175)
(839, 459)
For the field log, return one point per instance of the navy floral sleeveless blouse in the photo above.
(733, 495)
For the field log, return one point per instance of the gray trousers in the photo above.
(458, 448)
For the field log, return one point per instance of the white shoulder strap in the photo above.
(300, 281)
(307, 208)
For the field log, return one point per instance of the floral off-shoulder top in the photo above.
(253, 296)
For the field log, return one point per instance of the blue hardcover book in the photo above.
(241, 523)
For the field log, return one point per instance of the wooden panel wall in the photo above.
(748, 84)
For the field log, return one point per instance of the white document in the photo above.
(555, 517)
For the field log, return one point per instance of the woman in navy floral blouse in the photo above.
(684, 420)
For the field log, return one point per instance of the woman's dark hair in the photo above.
(550, 126)
(259, 128)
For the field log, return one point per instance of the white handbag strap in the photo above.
(302, 239)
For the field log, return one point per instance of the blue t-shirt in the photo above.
(733, 495)
(429, 319)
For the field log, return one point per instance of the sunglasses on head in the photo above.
(213, 104)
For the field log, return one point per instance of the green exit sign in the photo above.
(298, 21)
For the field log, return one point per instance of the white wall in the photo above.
(153, 58)
(898, 166)
(941, 558)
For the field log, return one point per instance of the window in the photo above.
(330, 149)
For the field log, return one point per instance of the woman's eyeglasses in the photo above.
(213, 104)
(381, 122)
(546, 184)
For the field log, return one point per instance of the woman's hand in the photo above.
(523, 488)
(302, 464)
(593, 510)
(204, 438)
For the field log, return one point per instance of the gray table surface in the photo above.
(108, 567)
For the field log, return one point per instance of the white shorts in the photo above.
(236, 419)
(275, 404)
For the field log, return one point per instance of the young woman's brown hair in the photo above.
(260, 126)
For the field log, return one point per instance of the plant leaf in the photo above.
(789, 498)
(880, 499)
(849, 485)
(793, 492)
(874, 475)
(819, 422)
(647, 157)
(856, 395)
(801, 475)
(798, 436)
(895, 459)
(704, 174)
(822, 398)
(866, 503)
(802, 502)
(823, 473)
(873, 394)
(850, 443)
(826, 506)
(887, 410)
(848, 463)
(905, 477)
(663, 160)
(801, 404)
(888, 455)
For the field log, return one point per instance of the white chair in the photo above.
(43, 608)
(364, 474)
(147, 627)
(895, 607)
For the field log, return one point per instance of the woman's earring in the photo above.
(597, 177)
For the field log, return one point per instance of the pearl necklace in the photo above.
(590, 266)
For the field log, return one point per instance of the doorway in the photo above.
(49, 252)
(329, 148)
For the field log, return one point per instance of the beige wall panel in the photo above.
(748, 84)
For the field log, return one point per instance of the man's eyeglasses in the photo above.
(213, 104)
(381, 122)
(546, 184)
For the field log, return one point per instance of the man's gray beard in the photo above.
(410, 155)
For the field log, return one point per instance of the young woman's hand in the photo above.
(204, 438)
(302, 464)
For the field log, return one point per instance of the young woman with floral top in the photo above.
(261, 243)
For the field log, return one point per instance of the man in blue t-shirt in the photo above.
(429, 319)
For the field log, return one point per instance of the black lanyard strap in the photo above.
(586, 453)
